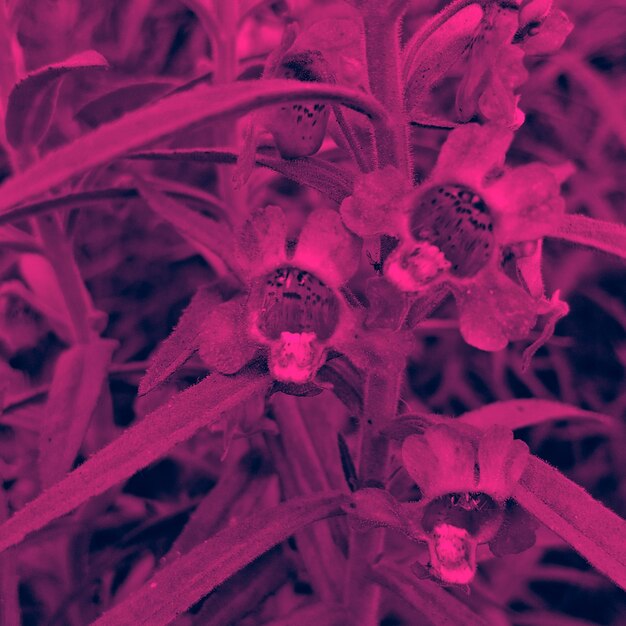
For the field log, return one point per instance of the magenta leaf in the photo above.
(529, 412)
(606, 236)
(182, 342)
(435, 604)
(176, 421)
(78, 377)
(33, 100)
(594, 531)
(208, 565)
(202, 103)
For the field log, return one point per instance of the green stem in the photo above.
(382, 51)
(380, 404)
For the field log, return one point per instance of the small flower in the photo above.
(495, 70)
(455, 229)
(465, 481)
(292, 307)
(299, 128)
(542, 29)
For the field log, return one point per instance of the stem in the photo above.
(382, 51)
(380, 404)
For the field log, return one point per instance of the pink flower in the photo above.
(542, 29)
(465, 482)
(292, 308)
(494, 72)
(455, 228)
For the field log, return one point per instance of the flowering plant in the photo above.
(233, 388)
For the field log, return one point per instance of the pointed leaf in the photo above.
(529, 412)
(182, 342)
(438, 607)
(606, 236)
(140, 445)
(33, 100)
(594, 531)
(209, 237)
(202, 103)
(178, 586)
(76, 384)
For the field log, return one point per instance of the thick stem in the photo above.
(382, 51)
(380, 404)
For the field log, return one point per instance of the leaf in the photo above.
(178, 586)
(120, 100)
(439, 607)
(202, 103)
(327, 178)
(78, 377)
(314, 615)
(606, 236)
(140, 445)
(182, 342)
(529, 412)
(594, 531)
(32, 102)
(210, 238)
(67, 201)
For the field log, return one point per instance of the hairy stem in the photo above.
(380, 404)
(382, 51)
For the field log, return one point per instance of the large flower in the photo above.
(465, 481)
(292, 307)
(457, 227)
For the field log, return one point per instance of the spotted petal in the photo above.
(526, 203)
(470, 153)
(501, 460)
(261, 243)
(225, 344)
(493, 311)
(326, 249)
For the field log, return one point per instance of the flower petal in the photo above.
(420, 462)
(471, 152)
(456, 459)
(225, 344)
(493, 311)
(261, 242)
(526, 203)
(501, 460)
(327, 249)
(550, 36)
(375, 207)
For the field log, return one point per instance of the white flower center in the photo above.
(296, 357)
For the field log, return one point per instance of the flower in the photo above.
(299, 128)
(465, 481)
(542, 29)
(291, 307)
(495, 70)
(455, 229)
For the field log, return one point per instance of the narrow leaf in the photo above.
(202, 103)
(182, 342)
(76, 384)
(143, 443)
(606, 236)
(529, 412)
(33, 100)
(439, 607)
(314, 615)
(178, 586)
(594, 531)
(210, 238)
(327, 178)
